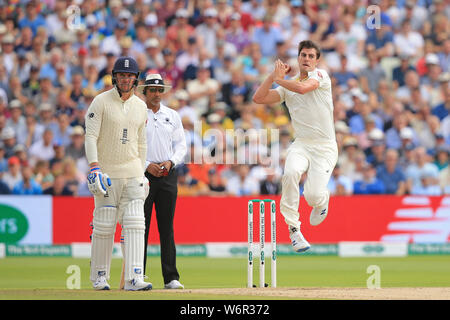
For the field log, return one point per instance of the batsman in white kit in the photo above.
(309, 100)
(116, 150)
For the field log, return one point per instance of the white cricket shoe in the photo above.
(100, 283)
(174, 284)
(298, 241)
(137, 284)
(317, 216)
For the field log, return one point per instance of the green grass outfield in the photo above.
(46, 277)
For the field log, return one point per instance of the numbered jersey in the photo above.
(115, 134)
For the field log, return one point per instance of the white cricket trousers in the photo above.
(123, 203)
(318, 161)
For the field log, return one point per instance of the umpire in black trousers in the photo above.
(166, 148)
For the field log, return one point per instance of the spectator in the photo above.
(207, 32)
(9, 141)
(13, 175)
(340, 185)
(391, 174)
(399, 72)
(242, 184)
(59, 187)
(32, 17)
(43, 148)
(17, 121)
(267, 36)
(202, 91)
(421, 170)
(215, 184)
(188, 186)
(442, 157)
(4, 189)
(42, 174)
(370, 184)
(27, 185)
(408, 42)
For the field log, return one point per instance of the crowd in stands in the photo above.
(389, 68)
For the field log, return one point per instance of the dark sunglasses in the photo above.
(153, 90)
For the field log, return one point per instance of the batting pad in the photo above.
(133, 234)
(102, 241)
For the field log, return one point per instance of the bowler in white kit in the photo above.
(116, 149)
(309, 100)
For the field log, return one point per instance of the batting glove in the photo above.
(98, 182)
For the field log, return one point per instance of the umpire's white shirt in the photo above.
(165, 136)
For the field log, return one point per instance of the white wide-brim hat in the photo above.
(153, 80)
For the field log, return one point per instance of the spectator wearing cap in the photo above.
(13, 175)
(42, 149)
(185, 109)
(170, 70)
(8, 136)
(180, 31)
(75, 149)
(370, 183)
(391, 174)
(27, 185)
(46, 115)
(32, 18)
(17, 121)
(8, 57)
(155, 58)
(267, 36)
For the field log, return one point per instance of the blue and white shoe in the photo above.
(100, 283)
(317, 216)
(298, 241)
(137, 284)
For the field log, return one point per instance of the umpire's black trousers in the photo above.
(163, 193)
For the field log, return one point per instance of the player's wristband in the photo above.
(95, 168)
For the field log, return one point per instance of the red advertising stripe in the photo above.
(216, 219)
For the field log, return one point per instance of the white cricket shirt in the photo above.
(165, 136)
(115, 134)
(311, 113)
